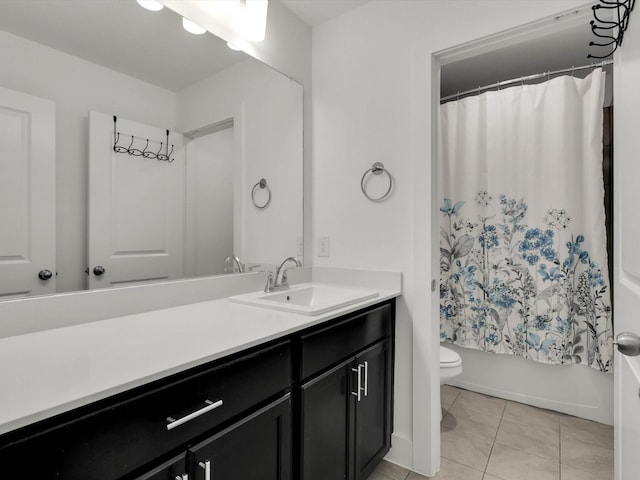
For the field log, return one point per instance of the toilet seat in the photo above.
(449, 358)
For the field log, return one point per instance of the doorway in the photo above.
(210, 193)
(593, 392)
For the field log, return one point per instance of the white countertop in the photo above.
(52, 371)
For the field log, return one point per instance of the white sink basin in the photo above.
(307, 298)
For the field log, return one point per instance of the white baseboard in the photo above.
(401, 452)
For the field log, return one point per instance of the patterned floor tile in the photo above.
(570, 473)
(529, 439)
(464, 420)
(511, 464)
(467, 449)
(448, 395)
(586, 456)
(587, 431)
(532, 416)
(485, 404)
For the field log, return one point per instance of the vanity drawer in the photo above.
(328, 346)
(117, 439)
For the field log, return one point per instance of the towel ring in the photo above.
(262, 184)
(376, 169)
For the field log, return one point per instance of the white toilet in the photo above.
(450, 364)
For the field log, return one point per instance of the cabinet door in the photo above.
(373, 409)
(174, 469)
(326, 425)
(256, 448)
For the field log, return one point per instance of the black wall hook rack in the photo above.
(144, 152)
(610, 33)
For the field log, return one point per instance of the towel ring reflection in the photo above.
(376, 169)
(262, 184)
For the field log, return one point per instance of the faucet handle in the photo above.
(269, 286)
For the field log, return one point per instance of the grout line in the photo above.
(559, 450)
(494, 440)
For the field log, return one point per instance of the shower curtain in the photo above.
(523, 265)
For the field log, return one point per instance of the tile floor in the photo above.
(488, 438)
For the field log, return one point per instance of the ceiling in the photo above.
(120, 35)
(564, 49)
(315, 12)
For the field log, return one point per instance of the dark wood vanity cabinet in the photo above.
(286, 410)
(346, 409)
(128, 435)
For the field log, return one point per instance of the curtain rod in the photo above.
(525, 79)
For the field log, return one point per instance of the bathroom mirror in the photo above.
(234, 121)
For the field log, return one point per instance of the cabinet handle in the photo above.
(173, 423)
(206, 466)
(358, 392)
(366, 379)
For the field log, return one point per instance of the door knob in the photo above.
(45, 274)
(98, 270)
(628, 344)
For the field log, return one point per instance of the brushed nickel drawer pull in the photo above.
(206, 466)
(358, 392)
(366, 379)
(173, 423)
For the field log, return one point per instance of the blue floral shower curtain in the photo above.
(523, 266)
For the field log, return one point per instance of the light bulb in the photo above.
(192, 27)
(152, 5)
(239, 44)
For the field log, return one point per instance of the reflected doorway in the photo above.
(210, 181)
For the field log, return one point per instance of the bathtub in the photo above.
(573, 389)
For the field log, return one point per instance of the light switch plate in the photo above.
(299, 247)
(323, 246)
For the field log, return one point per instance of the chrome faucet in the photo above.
(234, 260)
(280, 282)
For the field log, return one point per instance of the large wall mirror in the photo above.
(79, 78)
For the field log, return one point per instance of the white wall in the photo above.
(77, 86)
(267, 110)
(372, 89)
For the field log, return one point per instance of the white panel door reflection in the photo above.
(136, 204)
(27, 195)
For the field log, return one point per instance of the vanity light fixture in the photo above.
(192, 27)
(152, 5)
(228, 19)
